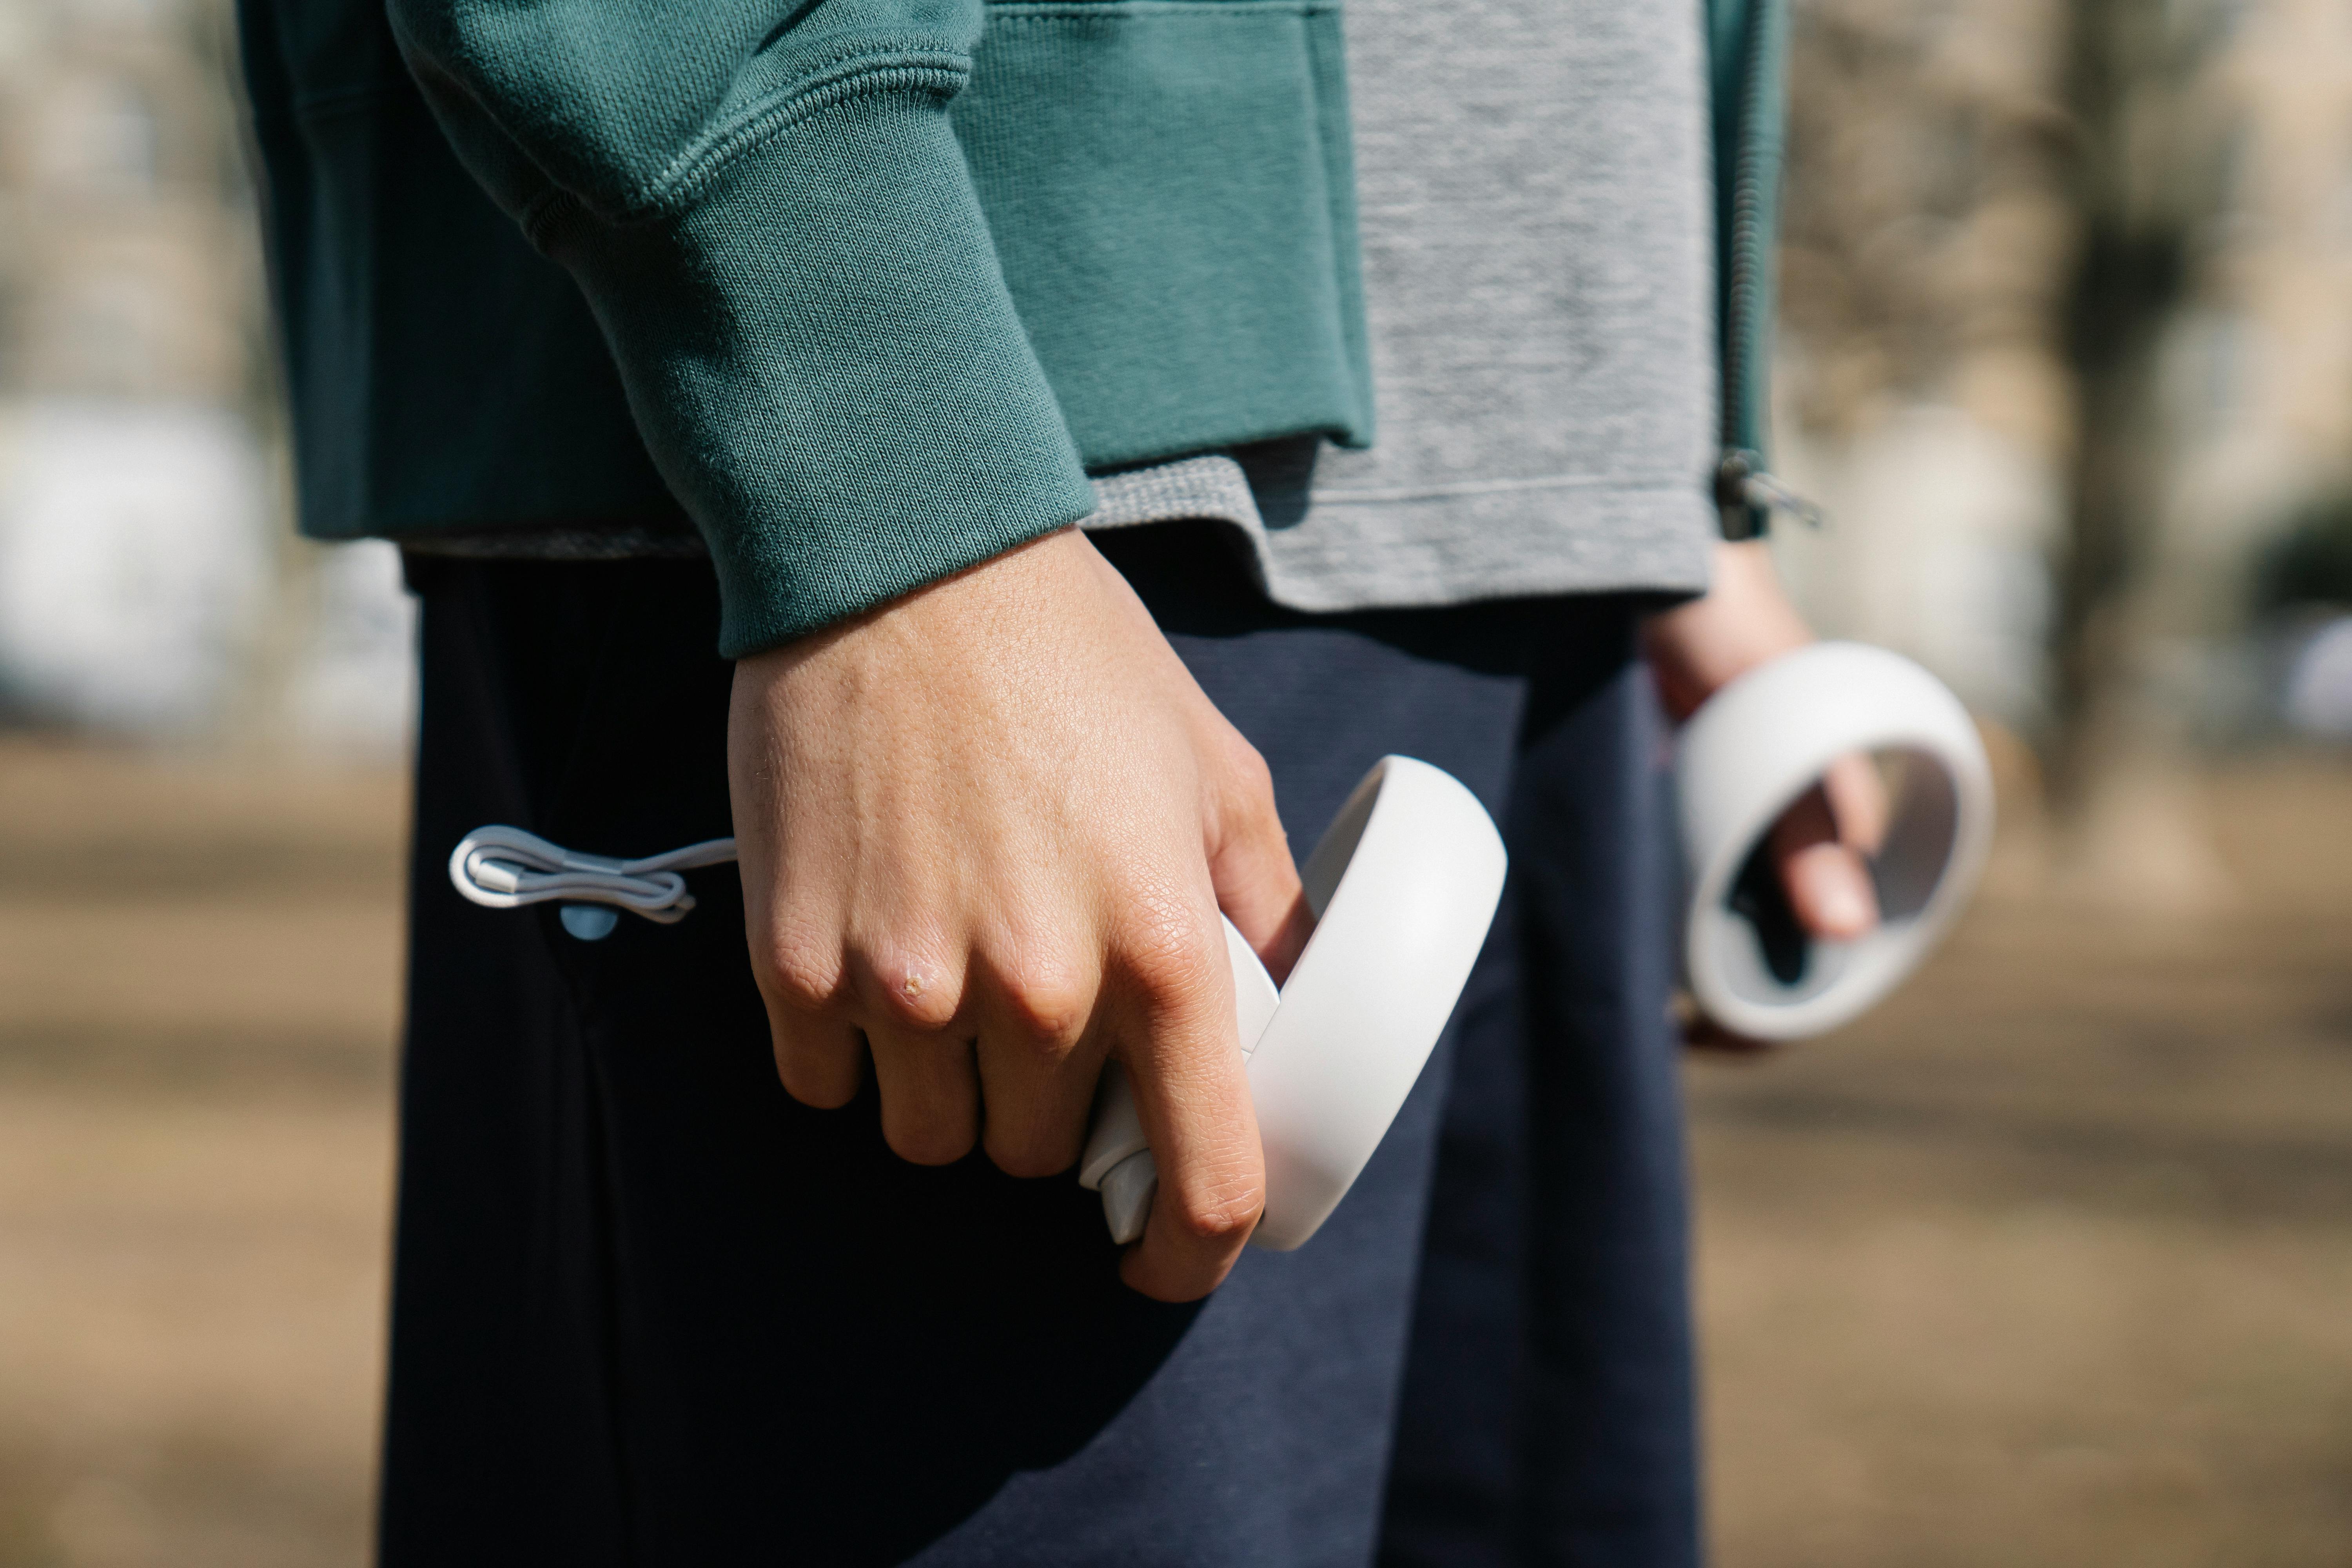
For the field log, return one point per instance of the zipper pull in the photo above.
(1748, 495)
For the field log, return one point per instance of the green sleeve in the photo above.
(769, 214)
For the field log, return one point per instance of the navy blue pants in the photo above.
(649, 1310)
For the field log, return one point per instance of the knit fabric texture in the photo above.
(863, 291)
(1533, 179)
(803, 270)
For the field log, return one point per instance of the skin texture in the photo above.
(985, 834)
(1819, 844)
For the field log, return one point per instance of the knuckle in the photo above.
(1252, 777)
(1218, 1214)
(799, 971)
(928, 1007)
(1248, 781)
(918, 993)
(1046, 1005)
(1174, 955)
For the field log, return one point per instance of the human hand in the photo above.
(985, 834)
(1819, 845)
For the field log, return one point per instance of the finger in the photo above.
(820, 1056)
(1249, 868)
(1828, 883)
(1858, 802)
(931, 1094)
(911, 1005)
(820, 1060)
(1036, 1061)
(1194, 1099)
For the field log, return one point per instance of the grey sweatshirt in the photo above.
(1533, 177)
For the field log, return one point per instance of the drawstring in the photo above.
(504, 869)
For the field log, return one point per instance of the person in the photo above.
(936, 442)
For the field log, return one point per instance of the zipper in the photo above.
(1753, 220)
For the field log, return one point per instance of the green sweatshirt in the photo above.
(869, 286)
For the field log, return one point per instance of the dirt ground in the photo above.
(2048, 1261)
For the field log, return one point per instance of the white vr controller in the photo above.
(1404, 885)
(1746, 755)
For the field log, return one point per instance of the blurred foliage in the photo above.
(1925, 219)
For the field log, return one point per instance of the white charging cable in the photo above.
(503, 868)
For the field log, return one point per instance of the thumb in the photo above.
(1249, 868)
(1828, 882)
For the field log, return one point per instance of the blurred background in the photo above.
(2048, 1261)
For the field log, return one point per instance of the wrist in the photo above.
(977, 606)
(1743, 620)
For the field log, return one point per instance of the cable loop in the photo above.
(503, 868)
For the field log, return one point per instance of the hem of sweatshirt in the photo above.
(1441, 544)
(1359, 549)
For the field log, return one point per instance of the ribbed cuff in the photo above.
(826, 364)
